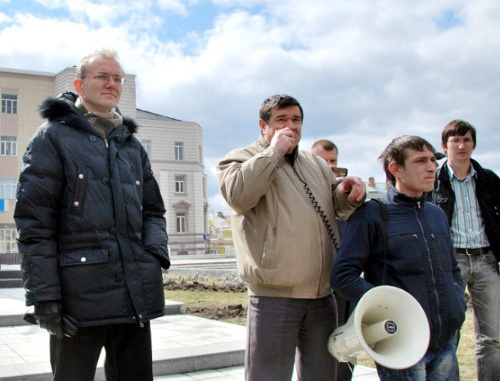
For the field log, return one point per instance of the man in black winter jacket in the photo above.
(414, 254)
(92, 230)
(470, 197)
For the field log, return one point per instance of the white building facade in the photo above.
(175, 149)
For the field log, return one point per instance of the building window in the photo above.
(8, 145)
(147, 146)
(8, 242)
(8, 188)
(179, 151)
(180, 184)
(9, 104)
(180, 219)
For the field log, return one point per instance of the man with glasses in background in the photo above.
(92, 230)
(470, 197)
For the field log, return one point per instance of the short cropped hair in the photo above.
(395, 152)
(81, 68)
(458, 127)
(326, 144)
(278, 101)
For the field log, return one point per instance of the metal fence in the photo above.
(10, 259)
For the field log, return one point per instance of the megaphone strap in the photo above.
(385, 222)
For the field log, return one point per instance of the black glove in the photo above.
(48, 315)
(70, 326)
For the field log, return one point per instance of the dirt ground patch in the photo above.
(219, 313)
(223, 287)
(199, 286)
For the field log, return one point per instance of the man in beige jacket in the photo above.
(284, 204)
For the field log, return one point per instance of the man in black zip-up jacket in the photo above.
(470, 196)
(419, 257)
(92, 230)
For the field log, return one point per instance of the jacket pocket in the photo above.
(78, 201)
(151, 277)
(404, 254)
(269, 255)
(84, 257)
(440, 258)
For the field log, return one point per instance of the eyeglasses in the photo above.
(104, 78)
(458, 141)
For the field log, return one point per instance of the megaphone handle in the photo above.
(376, 332)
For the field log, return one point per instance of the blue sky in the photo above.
(365, 71)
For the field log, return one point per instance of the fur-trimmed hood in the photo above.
(62, 109)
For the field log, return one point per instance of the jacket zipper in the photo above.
(440, 324)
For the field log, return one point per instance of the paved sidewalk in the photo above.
(185, 347)
(237, 373)
(181, 343)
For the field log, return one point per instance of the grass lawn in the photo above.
(221, 299)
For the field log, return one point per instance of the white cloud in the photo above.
(3, 17)
(365, 71)
(175, 5)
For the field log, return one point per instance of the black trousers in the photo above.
(128, 353)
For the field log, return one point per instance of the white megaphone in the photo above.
(389, 325)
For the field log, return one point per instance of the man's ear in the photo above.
(395, 169)
(262, 125)
(77, 84)
(443, 146)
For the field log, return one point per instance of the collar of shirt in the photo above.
(453, 176)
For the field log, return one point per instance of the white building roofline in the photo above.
(27, 72)
(142, 114)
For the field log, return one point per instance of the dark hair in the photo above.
(278, 101)
(395, 152)
(458, 127)
(326, 144)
